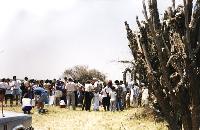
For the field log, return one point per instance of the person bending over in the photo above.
(26, 104)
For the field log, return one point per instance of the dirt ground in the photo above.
(63, 119)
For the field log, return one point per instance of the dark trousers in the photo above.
(9, 96)
(106, 103)
(119, 104)
(87, 101)
(16, 98)
(80, 98)
(64, 97)
(27, 109)
(76, 98)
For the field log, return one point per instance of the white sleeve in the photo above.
(12, 84)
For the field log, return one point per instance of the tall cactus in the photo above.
(139, 65)
(170, 52)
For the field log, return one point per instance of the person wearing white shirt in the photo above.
(88, 96)
(103, 92)
(26, 104)
(97, 86)
(113, 97)
(105, 96)
(70, 88)
(9, 91)
(16, 88)
(115, 86)
(3, 84)
(2, 91)
(96, 100)
(88, 87)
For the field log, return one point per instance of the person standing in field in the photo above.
(105, 96)
(88, 96)
(2, 90)
(58, 92)
(47, 86)
(127, 100)
(75, 93)
(145, 96)
(64, 91)
(80, 93)
(23, 91)
(119, 91)
(26, 83)
(16, 84)
(97, 86)
(113, 96)
(96, 100)
(9, 91)
(70, 88)
(123, 94)
(3, 84)
(135, 95)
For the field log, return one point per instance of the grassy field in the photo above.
(64, 119)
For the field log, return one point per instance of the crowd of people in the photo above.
(69, 93)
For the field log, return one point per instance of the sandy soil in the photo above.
(64, 119)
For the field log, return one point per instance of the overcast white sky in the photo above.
(41, 38)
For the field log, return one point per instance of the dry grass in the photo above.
(64, 119)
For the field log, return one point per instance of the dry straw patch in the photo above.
(64, 119)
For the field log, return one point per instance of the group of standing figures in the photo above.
(67, 92)
(112, 96)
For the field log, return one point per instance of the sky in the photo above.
(42, 38)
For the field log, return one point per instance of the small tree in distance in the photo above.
(83, 73)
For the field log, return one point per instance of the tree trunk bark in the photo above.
(195, 102)
(186, 120)
(195, 118)
(173, 125)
